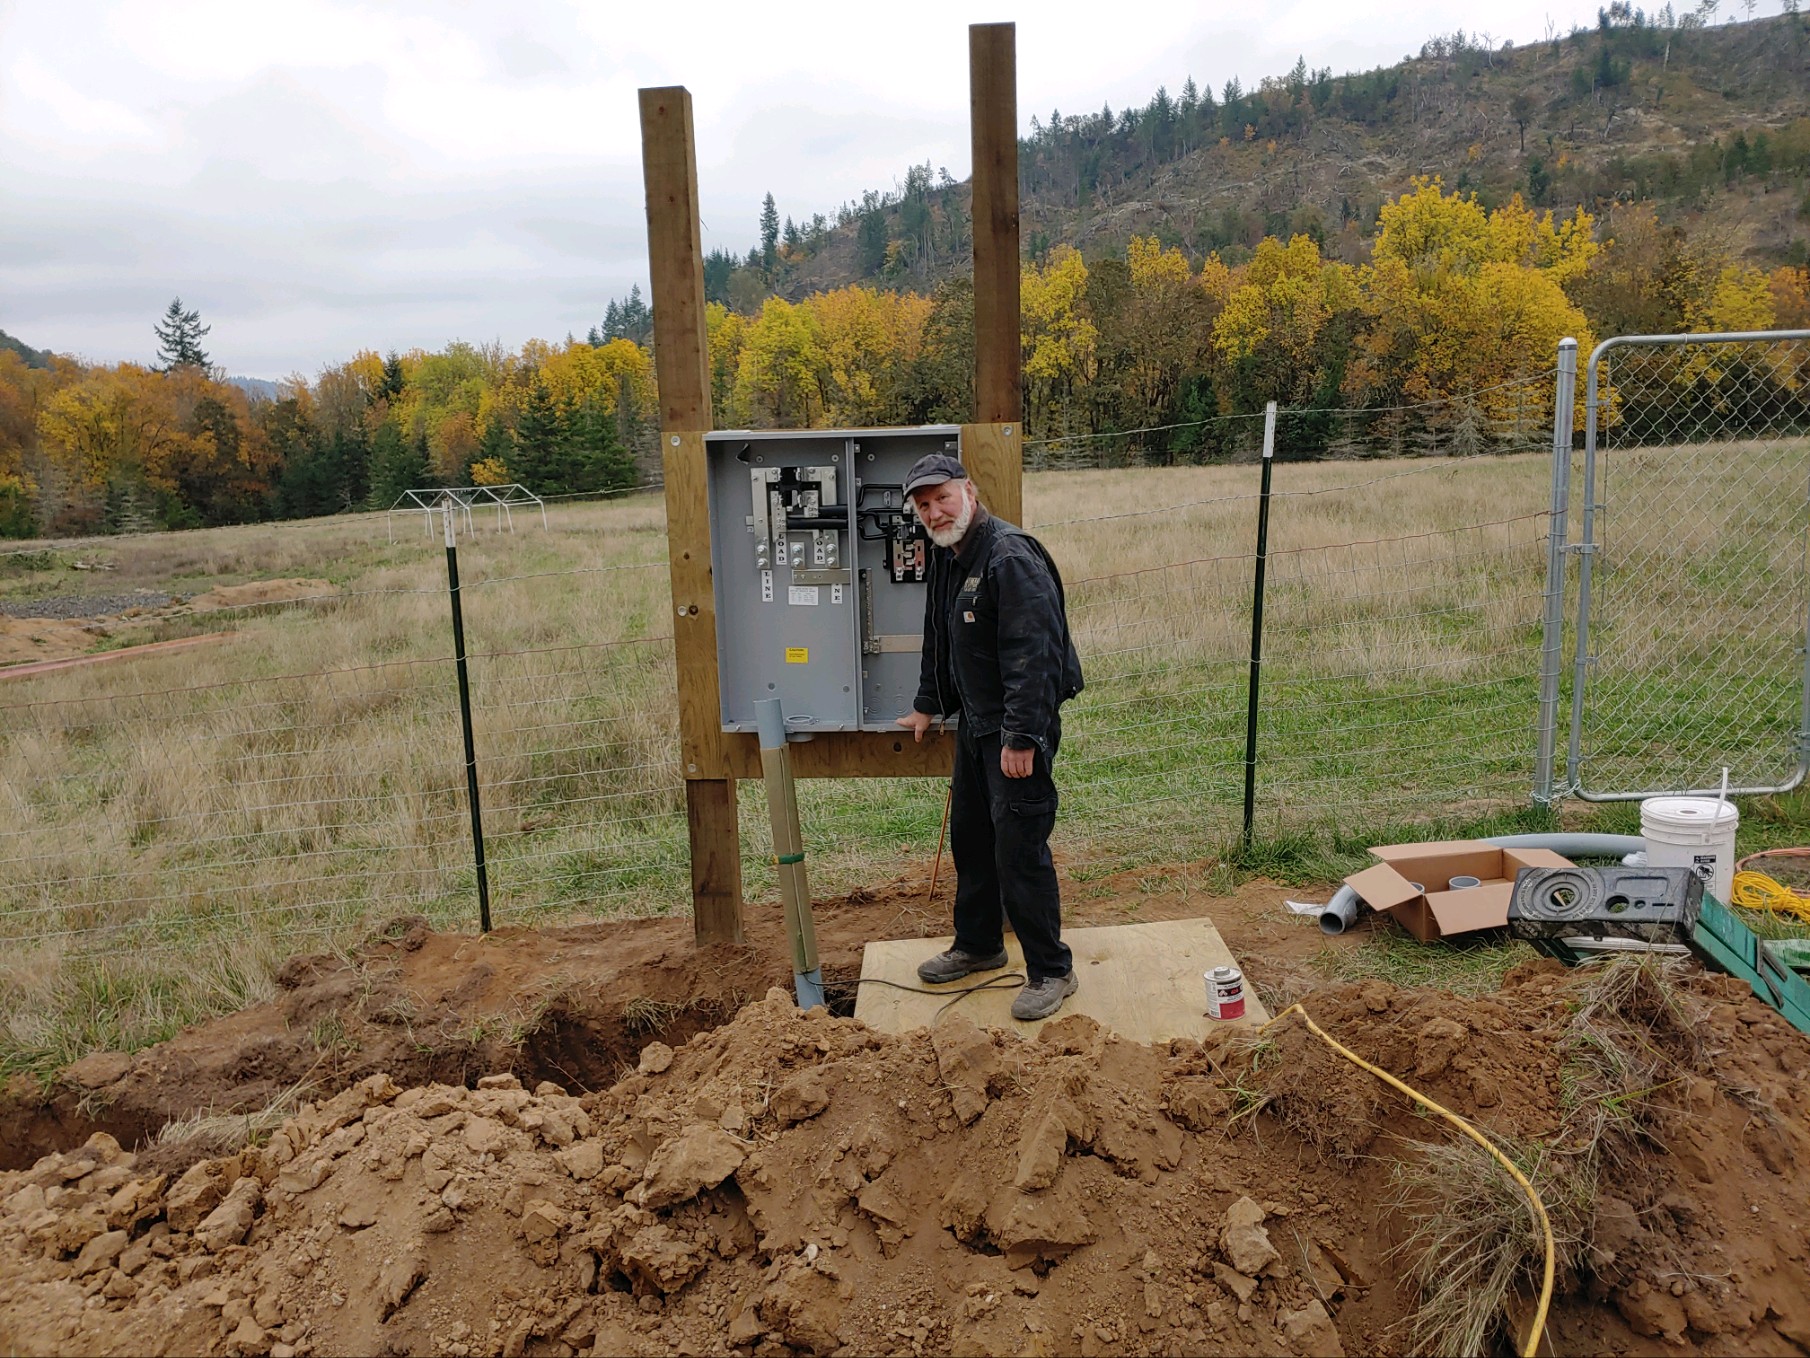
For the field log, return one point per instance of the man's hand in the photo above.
(917, 723)
(1016, 763)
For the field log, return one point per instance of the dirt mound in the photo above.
(797, 1183)
(573, 1004)
(23, 640)
(1689, 1226)
(261, 592)
(789, 1179)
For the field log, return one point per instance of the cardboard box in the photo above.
(1411, 884)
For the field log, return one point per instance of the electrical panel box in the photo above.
(820, 565)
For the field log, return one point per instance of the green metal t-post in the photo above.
(1263, 547)
(471, 753)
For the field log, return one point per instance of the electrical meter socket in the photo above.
(819, 565)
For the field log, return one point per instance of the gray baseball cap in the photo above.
(932, 470)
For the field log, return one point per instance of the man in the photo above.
(997, 651)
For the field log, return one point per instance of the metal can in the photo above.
(1225, 993)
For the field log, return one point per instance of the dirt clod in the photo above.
(1243, 1240)
(700, 1157)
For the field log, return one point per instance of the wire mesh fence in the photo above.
(1693, 579)
(188, 818)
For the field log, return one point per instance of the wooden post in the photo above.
(993, 112)
(675, 259)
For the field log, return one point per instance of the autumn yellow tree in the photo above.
(118, 425)
(1460, 301)
(1269, 335)
(725, 331)
(780, 381)
(867, 340)
(1057, 337)
(1167, 324)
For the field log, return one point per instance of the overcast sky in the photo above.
(322, 177)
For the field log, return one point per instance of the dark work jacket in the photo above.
(996, 641)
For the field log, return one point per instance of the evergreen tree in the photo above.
(719, 264)
(595, 456)
(350, 453)
(397, 465)
(391, 386)
(309, 482)
(630, 319)
(539, 432)
(179, 337)
(871, 241)
(497, 444)
(769, 233)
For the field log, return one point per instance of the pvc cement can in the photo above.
(1225, 993)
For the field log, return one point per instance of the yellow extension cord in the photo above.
(1539, 1319)
(1756, 891)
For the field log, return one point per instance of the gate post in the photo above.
(1552, 637)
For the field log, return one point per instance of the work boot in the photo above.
(1040, 999)
(955, 964)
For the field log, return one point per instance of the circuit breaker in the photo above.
(820, 565)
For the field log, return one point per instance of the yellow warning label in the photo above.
(798, 655)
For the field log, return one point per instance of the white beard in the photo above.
(955, 532)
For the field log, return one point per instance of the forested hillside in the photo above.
(1407, 244)
(1709, 123)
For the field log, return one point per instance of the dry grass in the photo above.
(1636, 1034)
(1633, 1036)
(170, 827)
(223, 1133)
(1473, 1239)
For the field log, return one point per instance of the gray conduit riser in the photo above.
(1341, 911)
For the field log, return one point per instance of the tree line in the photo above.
(99, 448)
(1440, 334)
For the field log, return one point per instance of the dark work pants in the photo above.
(999, 837)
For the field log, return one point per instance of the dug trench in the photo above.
(570, 1004)
(768, 1182)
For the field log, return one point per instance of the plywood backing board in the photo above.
(1143, 981)
(849, 754)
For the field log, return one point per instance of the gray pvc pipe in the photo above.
(770, 723)
(1341, 911)
(1574, 845)
(808, 986)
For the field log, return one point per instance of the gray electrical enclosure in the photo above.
(819, 565)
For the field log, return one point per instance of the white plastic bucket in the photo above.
(1692, 832)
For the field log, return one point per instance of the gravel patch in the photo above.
(85, 605)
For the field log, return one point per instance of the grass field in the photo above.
(176, 825)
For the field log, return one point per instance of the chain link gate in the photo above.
(1692, 633)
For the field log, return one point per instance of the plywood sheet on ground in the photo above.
(1143, 981)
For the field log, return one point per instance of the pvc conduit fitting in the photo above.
(1340, 912)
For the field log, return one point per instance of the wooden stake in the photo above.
(942, 835)
(993, 111)
(675, 259)
(682, 366)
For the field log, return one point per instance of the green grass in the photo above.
(1464, 966)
